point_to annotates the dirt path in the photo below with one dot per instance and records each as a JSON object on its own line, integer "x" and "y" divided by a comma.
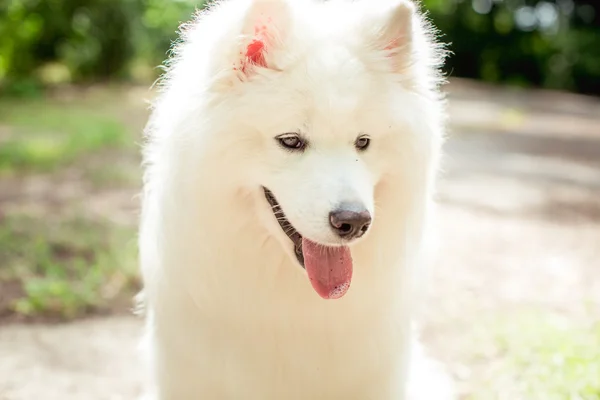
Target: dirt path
{"x": 520, "y": 227}
{"x": 85, "y": 360}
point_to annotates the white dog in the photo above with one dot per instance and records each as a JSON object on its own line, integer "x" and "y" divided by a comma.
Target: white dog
{"x": 289, "y": 174}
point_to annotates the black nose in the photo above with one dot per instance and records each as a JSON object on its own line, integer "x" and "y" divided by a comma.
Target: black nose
{"x": 350, "y": 221}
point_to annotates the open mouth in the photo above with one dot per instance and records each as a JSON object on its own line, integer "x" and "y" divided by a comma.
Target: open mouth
{"x": 286, "y": 226}
{"x": 329, "y": 268}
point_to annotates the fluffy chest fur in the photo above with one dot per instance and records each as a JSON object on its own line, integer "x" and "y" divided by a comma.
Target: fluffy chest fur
{"x": 331, "y": 108}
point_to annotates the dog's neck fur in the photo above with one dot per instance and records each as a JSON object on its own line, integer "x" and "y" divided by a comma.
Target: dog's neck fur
{"x": 215, "y": 274}
{"x": 270, "y": 316}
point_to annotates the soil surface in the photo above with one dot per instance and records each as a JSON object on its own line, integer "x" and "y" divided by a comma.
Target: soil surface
{"x": 519, "y": 227}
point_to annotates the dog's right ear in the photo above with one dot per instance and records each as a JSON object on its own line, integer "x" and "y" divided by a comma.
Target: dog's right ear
{"x": 265, "y": 26}
{"x": 394, "y": 34}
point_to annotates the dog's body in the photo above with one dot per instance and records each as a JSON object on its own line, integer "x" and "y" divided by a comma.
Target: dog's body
{"x": 324, "y": 113}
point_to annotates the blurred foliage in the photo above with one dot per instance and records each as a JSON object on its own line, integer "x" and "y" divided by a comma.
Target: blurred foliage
{"x": 56, "y": 41}
{"x": 550, "y": 43}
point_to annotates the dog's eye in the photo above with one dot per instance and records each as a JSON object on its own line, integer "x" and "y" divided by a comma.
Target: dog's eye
{"x": 362, "y": 143}
{"x": 291, "y": 142}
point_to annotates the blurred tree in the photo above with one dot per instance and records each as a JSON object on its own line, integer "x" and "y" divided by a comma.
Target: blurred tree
{"x": 550, "y": 43}
{"x": 89, "y": 36}
{"x": 84, "y": 39}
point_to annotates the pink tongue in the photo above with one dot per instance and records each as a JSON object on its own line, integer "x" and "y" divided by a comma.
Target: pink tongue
{"x": 329, "y": 268}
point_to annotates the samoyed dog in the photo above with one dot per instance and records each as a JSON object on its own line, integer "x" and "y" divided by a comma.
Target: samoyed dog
{"x": 289, "y": 170}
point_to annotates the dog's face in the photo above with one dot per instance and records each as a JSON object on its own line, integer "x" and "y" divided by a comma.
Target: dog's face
{"x": 318, "y": 162}
{"x": 322, "y": 102}
{"x": 321, "y": 156}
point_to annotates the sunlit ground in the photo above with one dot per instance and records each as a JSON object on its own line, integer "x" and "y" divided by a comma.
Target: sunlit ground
{"x": 515, "y": 294}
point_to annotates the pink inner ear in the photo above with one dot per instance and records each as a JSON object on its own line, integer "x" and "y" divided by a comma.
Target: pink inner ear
{"x": 395, "y": 43}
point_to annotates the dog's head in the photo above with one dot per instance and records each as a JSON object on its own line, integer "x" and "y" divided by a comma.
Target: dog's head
{"x": 320, "y": 103}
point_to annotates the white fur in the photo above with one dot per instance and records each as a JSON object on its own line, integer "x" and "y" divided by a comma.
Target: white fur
{"x": 230, "y": 314}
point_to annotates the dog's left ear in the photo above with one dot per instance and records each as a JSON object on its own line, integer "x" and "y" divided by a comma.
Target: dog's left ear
{"x": 265, "y": 27}
{"x": 395, "y": 34}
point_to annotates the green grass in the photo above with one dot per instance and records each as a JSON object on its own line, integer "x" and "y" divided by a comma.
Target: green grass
{"x": 65, "y": 267}
{"x": 41, "y": 135}
{"x": 542, "y": 357}
{"x": 119, "y": 173}
{"x": 62, "y": 264}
